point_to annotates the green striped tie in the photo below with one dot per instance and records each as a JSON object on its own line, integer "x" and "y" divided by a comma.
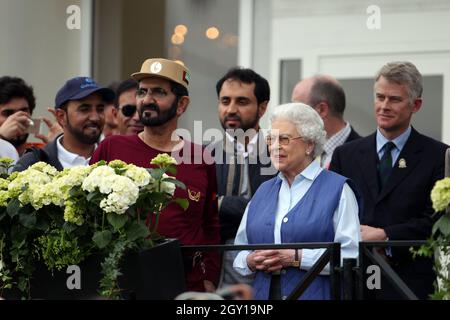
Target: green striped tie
{"x": 385, "y": 164}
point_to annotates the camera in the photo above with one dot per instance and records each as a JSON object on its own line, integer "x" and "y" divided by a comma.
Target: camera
{"x": 35, "y": 126}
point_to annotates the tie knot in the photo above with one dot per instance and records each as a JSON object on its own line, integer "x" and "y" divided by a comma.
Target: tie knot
{"x": 389, "y": 146}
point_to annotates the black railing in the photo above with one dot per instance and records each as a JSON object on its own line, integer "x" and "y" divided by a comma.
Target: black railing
{"x": 332, "y": 255}
{"x": 347, "y": 282}
{"x": 369, "y": 255}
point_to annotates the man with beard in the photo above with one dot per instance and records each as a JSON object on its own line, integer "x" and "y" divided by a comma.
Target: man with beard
{"x": 17, "y": 103}
{"x": 79, "y": 105}
{"x": 242, "y": 162}
{"x": 162, "y": 97}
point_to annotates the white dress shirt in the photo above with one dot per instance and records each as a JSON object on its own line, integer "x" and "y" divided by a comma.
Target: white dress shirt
{"x": 332, "y": 143}
{"x": 345, "y": 221}
{"x": 69, "y": 159}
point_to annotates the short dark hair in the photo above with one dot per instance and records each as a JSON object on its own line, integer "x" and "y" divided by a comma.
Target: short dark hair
{"x": 13, "y": 87}
{"x": 248, "y": 76}
{"x": 125, "y": 86}
{"x": 178, "y": 89}
{"x": 330, "y": 91}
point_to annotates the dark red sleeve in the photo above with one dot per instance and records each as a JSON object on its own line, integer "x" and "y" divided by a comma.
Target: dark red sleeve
{"x": 211, "y": 227}
{"x": 100, "y": 152}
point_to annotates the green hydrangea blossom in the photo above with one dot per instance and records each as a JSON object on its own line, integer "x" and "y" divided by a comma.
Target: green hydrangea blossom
{"x": 163, "y": 160}
{"x": 440, "y": 195}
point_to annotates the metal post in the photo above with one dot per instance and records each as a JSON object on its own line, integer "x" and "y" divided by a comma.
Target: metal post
{"x": 349, "y": 279}
{"x": 335, "y": 262}
{"x": 361, "y": 279}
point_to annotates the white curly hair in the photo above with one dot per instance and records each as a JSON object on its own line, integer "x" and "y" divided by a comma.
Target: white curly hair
{"x": 307, "y": 121}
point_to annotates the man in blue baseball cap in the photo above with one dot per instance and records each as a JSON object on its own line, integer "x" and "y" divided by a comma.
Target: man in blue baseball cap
{"x": 79, "y": 107}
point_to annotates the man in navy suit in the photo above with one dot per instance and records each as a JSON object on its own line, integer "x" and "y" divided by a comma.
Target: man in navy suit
{"x": 395, "y": 168}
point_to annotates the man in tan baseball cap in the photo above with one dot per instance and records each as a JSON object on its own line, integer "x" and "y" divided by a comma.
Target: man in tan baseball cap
{"x": 161, "y": 98}
{"x": 159, "y": 79}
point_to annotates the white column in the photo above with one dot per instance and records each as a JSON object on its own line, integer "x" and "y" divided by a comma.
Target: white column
{"x": 246, "y": 23}
{"x": 87, "y": 22}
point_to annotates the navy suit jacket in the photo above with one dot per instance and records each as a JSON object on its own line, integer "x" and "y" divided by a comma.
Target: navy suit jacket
{"x": 403, "y": 207}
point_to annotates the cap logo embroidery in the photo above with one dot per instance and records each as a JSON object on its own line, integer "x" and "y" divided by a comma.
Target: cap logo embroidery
{"x": 156, "y": 67}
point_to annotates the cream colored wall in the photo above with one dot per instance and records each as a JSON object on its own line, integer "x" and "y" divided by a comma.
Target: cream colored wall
{"x": 332, "y": 37}
{"x": 126, "y": 33}
{"x": 207, "y": 59}
{"x": 36, "y": 45}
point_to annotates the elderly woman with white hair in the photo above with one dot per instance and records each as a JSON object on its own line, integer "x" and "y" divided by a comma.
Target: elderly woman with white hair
{"x": 304, "y": 203}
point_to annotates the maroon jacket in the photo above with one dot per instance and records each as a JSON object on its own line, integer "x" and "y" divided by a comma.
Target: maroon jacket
{"x": 199, "y": 224}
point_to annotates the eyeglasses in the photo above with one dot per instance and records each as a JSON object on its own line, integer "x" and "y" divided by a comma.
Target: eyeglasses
{"x": 283, "y": 140}
{"x": 128, "y": 110}
{"x": 156, "y": 93}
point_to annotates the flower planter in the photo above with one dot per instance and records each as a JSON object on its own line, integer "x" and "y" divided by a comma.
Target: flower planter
{"x": 153, "y": 274}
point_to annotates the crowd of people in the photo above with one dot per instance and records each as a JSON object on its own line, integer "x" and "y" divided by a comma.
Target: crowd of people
{"x": 311, "y": 178}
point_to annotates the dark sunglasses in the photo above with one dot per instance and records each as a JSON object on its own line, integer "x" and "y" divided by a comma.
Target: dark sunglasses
{"x": 128, "y": 110}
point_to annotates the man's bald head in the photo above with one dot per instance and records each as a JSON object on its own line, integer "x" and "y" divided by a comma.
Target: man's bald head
{"x": 321, "y": 89}
{"x": 302, "y": 91}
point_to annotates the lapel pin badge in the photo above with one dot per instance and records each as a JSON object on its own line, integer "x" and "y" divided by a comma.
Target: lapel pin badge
{"x": 402, "y": 163}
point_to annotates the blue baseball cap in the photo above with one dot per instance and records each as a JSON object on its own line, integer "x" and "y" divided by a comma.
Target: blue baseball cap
{"x": 80, "y": 87}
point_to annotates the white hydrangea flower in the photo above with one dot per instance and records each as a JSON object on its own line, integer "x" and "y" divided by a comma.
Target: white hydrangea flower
{"x": 139, "y": 175}
{"x": 97, "y": 179}
{"x": 46, "y": 195}
{"x": 3, "y": 184}
{"x": 31, "y": 179}
{"x": 4, "y": 197}
{"x": 70, "y": 178}
{"x": 45, "y": 168}
{"x": 167, "y": 187}
{"x": 440, "y": 195}
{"x": 124, "y": 194}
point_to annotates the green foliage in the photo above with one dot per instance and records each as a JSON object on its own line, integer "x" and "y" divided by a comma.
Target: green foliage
{"x": 438, "y": 245}
{"x": 59, "y": 249}
{"x": 111, "y": 269}
{"x": 102, "y": 238}
{"x": 117, "y": 221}
{"x": 61, "y": 218}
{"x": 442, "y": 226}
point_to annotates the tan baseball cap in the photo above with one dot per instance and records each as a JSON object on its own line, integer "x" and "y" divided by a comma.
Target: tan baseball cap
{"x": 163, "y": 68}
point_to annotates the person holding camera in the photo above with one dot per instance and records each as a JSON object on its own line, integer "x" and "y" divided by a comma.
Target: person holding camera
{"x": 17, "y": 103}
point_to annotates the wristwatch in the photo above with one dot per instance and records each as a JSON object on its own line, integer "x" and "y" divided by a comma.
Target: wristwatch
{"x": 296, "y": 262}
